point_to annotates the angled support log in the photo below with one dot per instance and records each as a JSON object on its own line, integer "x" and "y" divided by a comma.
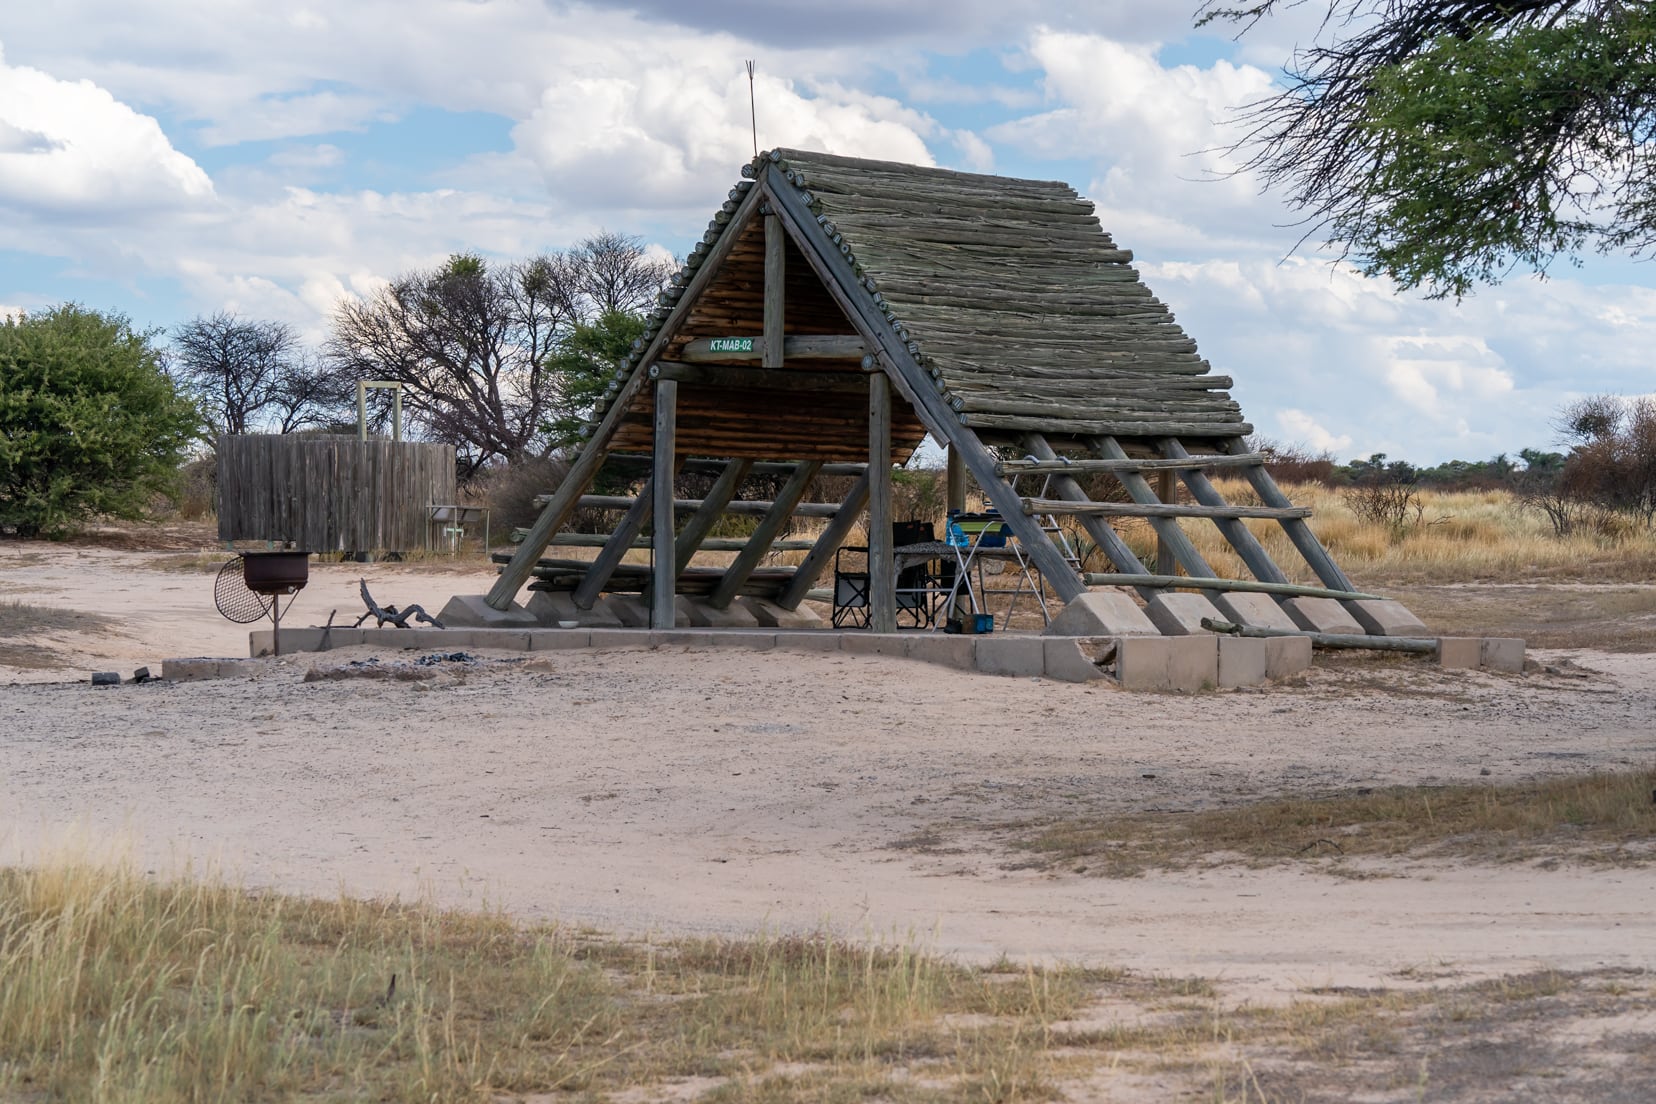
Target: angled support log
{"x": 695, "y": 530}
{"x": 758, "y": 545}
{"x": 663, "y": 552}
{"x": 1099, "y": 530}
{"x": 882, "y": 564}
{"x": 1167, "y": 529}
{"x": 917, "y": 386}
{"x": 620, "y": 542}
{"x": 1316, "y": 556}
{"x": 1235, "y": 531}
{"x": 822, "y": 554}
{"x": 591, "y": 458}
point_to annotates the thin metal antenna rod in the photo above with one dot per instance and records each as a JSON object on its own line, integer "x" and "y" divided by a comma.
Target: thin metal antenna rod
{"x": 753, "y": 112}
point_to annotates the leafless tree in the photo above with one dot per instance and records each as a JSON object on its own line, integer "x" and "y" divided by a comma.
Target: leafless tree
{"x": 612, "y": 272}
{"x": 245, "y": 373}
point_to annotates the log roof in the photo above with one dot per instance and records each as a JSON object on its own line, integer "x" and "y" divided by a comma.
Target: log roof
{"x": 1008, "y": 293}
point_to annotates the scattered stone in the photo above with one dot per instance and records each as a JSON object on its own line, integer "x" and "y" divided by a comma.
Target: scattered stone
{"x": 142, "y": 674}
{"x": 106, "y": 678}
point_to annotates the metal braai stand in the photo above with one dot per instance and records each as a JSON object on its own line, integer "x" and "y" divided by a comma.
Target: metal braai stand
{"x": 257, "y": 590}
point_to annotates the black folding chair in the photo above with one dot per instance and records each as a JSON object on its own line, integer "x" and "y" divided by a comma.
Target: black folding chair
{"x": 850, "y": 591}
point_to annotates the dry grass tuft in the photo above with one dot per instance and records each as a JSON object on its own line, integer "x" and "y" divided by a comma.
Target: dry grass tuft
{"x": 1602, "y": 817}
{"x": 116, "y": 988}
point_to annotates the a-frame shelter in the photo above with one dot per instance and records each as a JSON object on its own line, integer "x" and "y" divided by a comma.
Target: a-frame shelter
{"x": 836, "y": 311}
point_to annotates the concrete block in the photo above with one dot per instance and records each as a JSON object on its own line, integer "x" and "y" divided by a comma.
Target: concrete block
{"x": 552, "y": 606}
{"x": 751, "y": 639}
{"x": 1180, "y": 614}
{"x": 867, "y": 643}
{"x": 1079, "y": 658}
{"x": 629, "y": 609}
{"x": 557, "y": 640}
{"x": 505, "y": 640}
{"x": 943, "y": 649}
{"x": 1286, "y": 656}
{"x": 1102, "y": 613}
{"x": 1384, "y": 617}
{"x": 1014, "y": 656}
{"x": 1141, "y": 662}
{"x": 471, "y": 611}
{"x": 201, "y": 668}
{"x": 407, "y": 639}
{"x": 805, "y": 641}
{"x": 1193, "y": 662}
{"x": 1459, "y": 651}
{"x": 1243, "y": 661}
{"x": 1502, "y": 653}
{"x": 705, "y": 615}
{"x": 1260, "y": 611}
{"x": 769, "y": 615}
{"x": 1324, "y": 615}
{"x": 620, "y": 638}
{"x": 682, "y": 638}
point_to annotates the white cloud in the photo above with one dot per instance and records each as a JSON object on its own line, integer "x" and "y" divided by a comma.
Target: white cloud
{"x": 1299, "y": 428}
{"x": 70, "y": 148}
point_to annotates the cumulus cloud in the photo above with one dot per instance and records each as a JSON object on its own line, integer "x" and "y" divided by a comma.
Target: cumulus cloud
{"x": 1300, "y": 428}
{"x": 70, "y": 148}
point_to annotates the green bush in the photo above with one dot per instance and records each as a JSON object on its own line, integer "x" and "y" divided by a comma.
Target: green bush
{"x": 90, "y": 424}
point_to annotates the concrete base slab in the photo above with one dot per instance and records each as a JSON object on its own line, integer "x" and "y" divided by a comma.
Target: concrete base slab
{"x": 634, "y": 613}
{"x": 1180, "y": 614}
{"x": 1324, "y": 615}
{"x": 1502, "y": 653}
{"x": 619, "y": 638}
{"x": 471, "y": 611}
{"x": 1102, "y": 613}
{"x": 867, "y": 643}
{"x": 945, "y": 650}
{"x": 1079, "y": 658}
{"x": 1259, "y": 611}
{"x": 1013, "y": 656}
{"x": 201, "y": 668}
{"x": 705, "y": 615}
{"x": 1384, "y": 617}
{"x": 1286, "y": 656}
{"x": 1184, "y": 663}
{"x": 552, "y": 606}
{"x": 1243, "y": 661}
{"x": 808, "y": 641}
{"x": 557, "y": 640}
{"x": 682, "y": 638}
{"x": 772, "y": 616}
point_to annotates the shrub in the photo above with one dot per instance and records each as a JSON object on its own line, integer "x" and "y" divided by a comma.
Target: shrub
{"x": 90, "y": 424}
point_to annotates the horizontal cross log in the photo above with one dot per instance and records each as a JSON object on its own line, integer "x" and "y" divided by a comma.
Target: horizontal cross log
{"x": 803, "y": 347}
{"x": 641, "y": 461}
{"x": 711, "y": 544}
{"x": 1251, "y": 586}
{"x": 1085, "y": 467}
{"x": 1123, "y": 427}
{"x": 760, "y": 379}
{"x": 1418, "y": 645}
{"x": 1161, "y": 510}
{"x": 686, "y": 505}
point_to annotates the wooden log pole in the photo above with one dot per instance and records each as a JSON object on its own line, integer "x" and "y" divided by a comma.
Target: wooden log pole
{"x": 1165, "y": 562}
{"x": 1187, "y": 582}
{"x": 822, "y": 554}
{"x": 882, "y": 570}
{"x": 701, "y": 522}
{"x": 798, "y": 347}
{"x": 776, "y": 257}
{"x": 1238, "y": 534}
{"x": 1418, "y": 645}
{"x": 1167, "y": 528}
{"x": 1099, "y": 530}
{"x": 759, "y": 544}
{"x": 1315, "y": 555}
{"x": 663, "y": 550}
{"x": 619, "y": 544}
{"x": 1089, "y": 467}
{"x": 1161, "y": 510}
{"x": 956, "y": 496}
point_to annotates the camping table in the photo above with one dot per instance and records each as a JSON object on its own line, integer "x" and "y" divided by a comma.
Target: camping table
{"x": 968, "y": 575}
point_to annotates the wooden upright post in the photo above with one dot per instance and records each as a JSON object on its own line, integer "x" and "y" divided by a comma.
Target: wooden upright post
{"x": 776, "y": 256}
{"x": 1165, "y": 561}
{"x": 957, "y": 480}
{"x": 882, "y": 571}
{"x": 662, "y": 549}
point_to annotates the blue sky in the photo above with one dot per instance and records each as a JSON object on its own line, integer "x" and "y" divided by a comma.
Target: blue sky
{"x": 175, "y": 157}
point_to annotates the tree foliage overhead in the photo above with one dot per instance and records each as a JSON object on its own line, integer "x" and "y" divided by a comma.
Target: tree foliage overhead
{"x": 1447, "y": 143}
{"x": 498, "y": 359}
{"x": 90, "y": 424}
{"x": 249, "y": 375}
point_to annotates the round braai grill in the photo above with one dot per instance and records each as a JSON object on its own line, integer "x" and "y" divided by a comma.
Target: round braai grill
{"x": 253, "y": 585}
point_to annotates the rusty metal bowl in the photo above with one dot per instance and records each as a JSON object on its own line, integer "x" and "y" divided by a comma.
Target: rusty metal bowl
{"x": 275, "y": 572}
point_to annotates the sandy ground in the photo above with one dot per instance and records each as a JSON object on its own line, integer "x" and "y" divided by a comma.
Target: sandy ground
{"x": 718, "y": 791}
